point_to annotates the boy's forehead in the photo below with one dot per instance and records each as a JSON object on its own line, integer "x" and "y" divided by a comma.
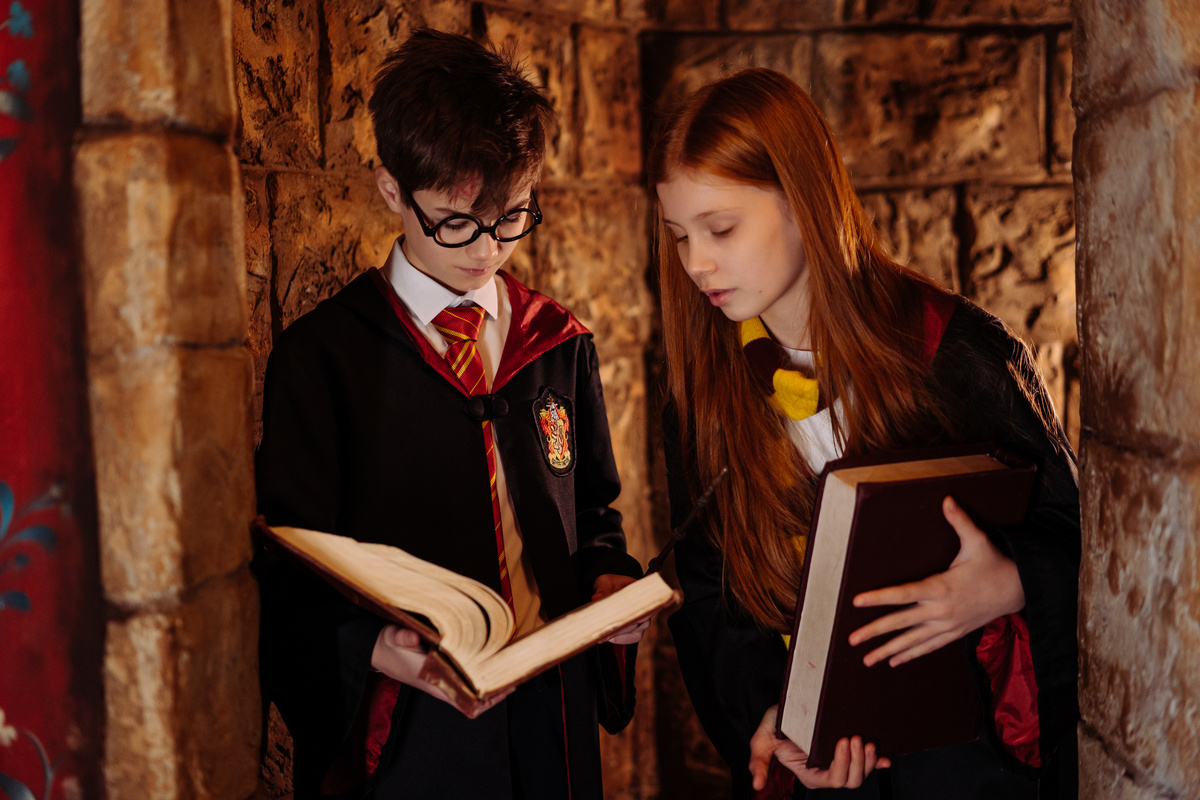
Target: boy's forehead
{"x": 462, "y": 195}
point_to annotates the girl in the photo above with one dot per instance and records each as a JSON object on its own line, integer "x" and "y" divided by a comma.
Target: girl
{"x": 793, "y": 339}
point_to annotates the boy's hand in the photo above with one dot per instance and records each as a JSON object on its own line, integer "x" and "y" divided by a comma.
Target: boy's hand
{"x": 852, "y": 761}
{"x": 631, "y": 633}
{"x": 399, "y": 655}
{"x": 980, "y": 585}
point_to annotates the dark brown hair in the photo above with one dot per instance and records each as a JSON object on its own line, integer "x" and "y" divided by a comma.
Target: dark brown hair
{"x": 448, "y": 109}
{"x": 865, "y": 321}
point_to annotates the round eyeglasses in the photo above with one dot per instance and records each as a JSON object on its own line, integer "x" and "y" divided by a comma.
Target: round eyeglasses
{"x": 459, "y": 230}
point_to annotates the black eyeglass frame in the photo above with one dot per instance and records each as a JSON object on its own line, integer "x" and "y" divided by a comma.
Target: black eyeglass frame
{"x": 480, "y": 228}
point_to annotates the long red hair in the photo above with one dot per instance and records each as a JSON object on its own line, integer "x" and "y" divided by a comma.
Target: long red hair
{"x": 865, "y": 322}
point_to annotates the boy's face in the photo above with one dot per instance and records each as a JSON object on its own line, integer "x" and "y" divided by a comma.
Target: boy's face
{"x": 460, "y": 269}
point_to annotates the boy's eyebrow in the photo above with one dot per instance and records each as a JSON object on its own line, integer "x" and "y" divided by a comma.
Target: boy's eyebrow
{"x": 449, "y": 211}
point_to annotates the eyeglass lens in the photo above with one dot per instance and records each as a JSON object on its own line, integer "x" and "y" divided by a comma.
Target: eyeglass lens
{"x": 460, "y": 229}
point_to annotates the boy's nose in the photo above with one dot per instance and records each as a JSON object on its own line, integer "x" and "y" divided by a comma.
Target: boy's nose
{"x": 483, "y": 248}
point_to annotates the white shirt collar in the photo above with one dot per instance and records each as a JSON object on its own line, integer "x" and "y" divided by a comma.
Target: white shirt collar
{"x": 425, "y": 297}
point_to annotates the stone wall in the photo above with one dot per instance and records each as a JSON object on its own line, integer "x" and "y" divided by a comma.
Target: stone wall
{"x": 314, "y": 218}
{"x": 1137, "y": 167}
{"x": 955, "y": 121}
{"x": 170, "y": 382}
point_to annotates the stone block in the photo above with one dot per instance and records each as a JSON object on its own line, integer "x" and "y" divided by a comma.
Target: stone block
{"x": 1129, "y": 50}
{"x": 609, "y": 92}
{"x": 219, "y": 708}
{"x": 773, "y": 15}
{"x": 1022, "y": 259}
{"x": 918, "y": 227}
{"x": 676, "y": 15}
{"x": 624, "y": 382}
{"x": 326, "y": 229}
{"x": 181, "y": 691}
{"x": 550, "y": 62}
{"x": 276, "y": 53}
{"x": 924, "y": 106}
{"x": 1101, "y": 777}
{"x": 162, "y": 62}
{"x": 961, "y": 11}
{"x": 174, "y": 473}
{"x": 1062, "y": 114}
{"x": 259, "y": 270}
{"x": 583, "y": 10}
{"x": 162, "y": 226}
{"x": 676, "y": 65}
{"x": 592, "y": 255}
{"x": 1139, "y": 612}
{"x": 1139, "y": 271}
{"x": 360, "y": 37}
{"x": 141, "y": 737}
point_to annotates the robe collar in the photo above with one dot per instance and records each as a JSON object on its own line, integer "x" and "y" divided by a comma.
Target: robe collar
{"x": 538, "y": 325}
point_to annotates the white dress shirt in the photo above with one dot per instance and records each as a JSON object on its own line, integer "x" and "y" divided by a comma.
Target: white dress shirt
{"x": 424, "y": 298}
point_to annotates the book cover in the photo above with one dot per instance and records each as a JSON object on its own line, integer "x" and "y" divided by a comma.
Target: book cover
{"x": 879, "y": 523}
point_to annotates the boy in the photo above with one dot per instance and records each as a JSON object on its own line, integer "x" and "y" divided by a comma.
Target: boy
{"x": 389, "y": 418}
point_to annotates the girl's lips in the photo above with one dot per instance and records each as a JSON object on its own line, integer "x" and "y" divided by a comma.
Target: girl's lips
{"x": 719, "y": 297}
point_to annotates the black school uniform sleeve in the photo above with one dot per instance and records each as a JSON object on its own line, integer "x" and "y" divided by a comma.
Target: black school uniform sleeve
{"x": 732, "y": 668}
{"x": 313, "y": 640}
{"x": 1001, "y": 398}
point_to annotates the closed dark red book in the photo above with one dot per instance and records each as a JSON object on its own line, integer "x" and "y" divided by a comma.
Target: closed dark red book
{"x": 879, "y": 523}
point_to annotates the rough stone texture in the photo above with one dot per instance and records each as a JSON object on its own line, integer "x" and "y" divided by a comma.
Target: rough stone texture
{"x": 140, "y": 726}
{"x": 360, "y": 36}
{"x": 918, "y": 226}
{"x": 1062, "y": 115}
{"x": 325, "y": 230}
{"x": 624, "y": 383}
{"x": 218, "y": 700}
{"x": 162, "y": 62}
{"x": 1105, "y": 778}
{"x": 961, "y": 11}
{"x": 934, "y": 105}
{"x": 182, "y": 697}
{"x": 592, "y": 254}
{"x": 674, "y": 66}
{"x": 1128, "y": 50}
{"x": 772, "y": 15}
{"x": 674, "y": 14}
{"x": 162, "y": 241}
{"x": 1139, "y": 272}
{"x": 550, "y": 62}
{"x": 174, "y": 473}
{"x": 275, "y": 73}
{"x": 608, "y": 105}
{"x": 260, "y": 266}
{"x": 602, "y": 11}
{"x": 1139, "y": 639}
{"x": 1022, "y": 265}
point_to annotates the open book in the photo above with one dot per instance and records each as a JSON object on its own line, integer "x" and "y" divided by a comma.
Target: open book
{"x": 879, "y": 523}
{"x": 466, "y": 624}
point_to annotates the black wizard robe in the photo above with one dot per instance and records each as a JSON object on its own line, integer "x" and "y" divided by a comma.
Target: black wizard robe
{"x": 363, "y": 423}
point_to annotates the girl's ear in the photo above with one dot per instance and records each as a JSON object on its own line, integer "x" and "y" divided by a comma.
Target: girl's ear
{"x": 390, "y": 189}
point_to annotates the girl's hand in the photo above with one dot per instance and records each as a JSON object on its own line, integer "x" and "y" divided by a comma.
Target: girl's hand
{"x": 399, "y": 655}
{"x": 852, "y": 761}
{"x": 607, "y": 584}
{"x": 981, "y": 585}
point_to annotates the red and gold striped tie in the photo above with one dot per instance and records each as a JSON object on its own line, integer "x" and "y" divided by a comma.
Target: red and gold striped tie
{"x": 459, "y": 326}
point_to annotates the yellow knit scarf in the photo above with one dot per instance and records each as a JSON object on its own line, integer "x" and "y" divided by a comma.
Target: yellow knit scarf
{"x": 792, "y": 392}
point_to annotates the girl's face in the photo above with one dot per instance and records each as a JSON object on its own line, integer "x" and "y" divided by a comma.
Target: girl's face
{"x": 740, "y": 245}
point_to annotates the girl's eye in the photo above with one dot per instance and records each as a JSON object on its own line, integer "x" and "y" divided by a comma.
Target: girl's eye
{"x": 722, "y": 233}
{"x": 680, "y": 239}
